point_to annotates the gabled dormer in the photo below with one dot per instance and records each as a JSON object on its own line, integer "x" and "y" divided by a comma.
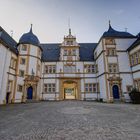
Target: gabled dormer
{"x": 69, "y": 49}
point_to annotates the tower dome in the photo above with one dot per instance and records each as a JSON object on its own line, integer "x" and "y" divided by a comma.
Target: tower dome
{"x": 29, "y": 38}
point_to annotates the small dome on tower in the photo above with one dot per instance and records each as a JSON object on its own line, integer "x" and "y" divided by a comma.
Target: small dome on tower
{"x": 29, "y": 38}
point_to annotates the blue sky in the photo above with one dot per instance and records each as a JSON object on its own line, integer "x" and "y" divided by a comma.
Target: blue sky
{"x": 89, "y": 18}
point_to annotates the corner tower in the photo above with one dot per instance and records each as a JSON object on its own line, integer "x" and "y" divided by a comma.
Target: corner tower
{"x": 29, "y": 68}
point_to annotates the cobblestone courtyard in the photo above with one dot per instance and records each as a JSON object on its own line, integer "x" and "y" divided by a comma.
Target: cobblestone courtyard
{"x": 70, "y": 120}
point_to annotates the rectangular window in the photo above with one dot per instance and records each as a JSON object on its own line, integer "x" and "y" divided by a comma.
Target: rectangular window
{"x": 22, "y": 61}
{"x": 65, "y": 52}
{"x": 129, "y": 88}
{"x": 91, "y": 87}
{"x": 112, "y": 68}
{"x": 49, "y": 88}
{"x": 111, "y": 51}
{"x": 21, "y": 73}
{"x": 109, "y": 41}
{"x": 24, "y": 48}
{"x": 19, "y": 88}
{"x": 13, "y": 63}
{"x": 50, "y": 69}
{"x": 90, "y": 68}
{"x": 9, "y": 86}
{"x": 74, "y": 52}
{"x": 136, "y": 58}
{"x": 69, "y": 69}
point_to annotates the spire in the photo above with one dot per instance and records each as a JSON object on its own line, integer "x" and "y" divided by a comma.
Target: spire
{"x": 69, "y": 31}
{"x": 69, "y": 26}
{"x": 31, "y": 28}
{"x": 109, "y": 23}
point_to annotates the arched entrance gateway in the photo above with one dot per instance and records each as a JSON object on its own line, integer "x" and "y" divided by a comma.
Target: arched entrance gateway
{"x": 115, "y": 90}
{"x": 70, "y": 89}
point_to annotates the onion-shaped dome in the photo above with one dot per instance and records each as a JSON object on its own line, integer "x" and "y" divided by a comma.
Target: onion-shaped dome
{"x": 113, "y": 33}
{"x": 29, "y": 38}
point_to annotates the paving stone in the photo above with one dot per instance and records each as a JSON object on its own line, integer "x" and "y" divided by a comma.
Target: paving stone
{"x": 70, "y": 120}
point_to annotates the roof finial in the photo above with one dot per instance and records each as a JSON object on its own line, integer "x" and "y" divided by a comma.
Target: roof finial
{"x": 31, "y": 28}
{"x": 69, "y": 26}
{"x": 109, "y": 23}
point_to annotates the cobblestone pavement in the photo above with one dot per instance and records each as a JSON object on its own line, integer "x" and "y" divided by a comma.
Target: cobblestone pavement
{"x": 70, "y": 120}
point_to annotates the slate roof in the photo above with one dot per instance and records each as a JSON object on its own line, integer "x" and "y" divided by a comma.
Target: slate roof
{"x": 51, "y": 52}
{"x": 29, "y": 38}
{"x": 136, "y": 43}
{"x": 113, "y": 33}
{"x": 8, "y": 40}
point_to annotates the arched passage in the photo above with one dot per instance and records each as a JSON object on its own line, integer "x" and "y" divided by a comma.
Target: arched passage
{"x": 70, "y": 90}
{"x": 115, "y": 90}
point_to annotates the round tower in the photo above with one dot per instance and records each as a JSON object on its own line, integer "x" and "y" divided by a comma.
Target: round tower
{"x": 29, "y": 66}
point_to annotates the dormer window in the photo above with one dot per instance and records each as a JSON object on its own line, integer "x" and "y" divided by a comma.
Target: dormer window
{"x": 69, "y": 42}
{"x": 109, "y": 41}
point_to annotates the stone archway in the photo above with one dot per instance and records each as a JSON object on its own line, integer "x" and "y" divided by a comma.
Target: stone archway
{"x": 70, "y": 89}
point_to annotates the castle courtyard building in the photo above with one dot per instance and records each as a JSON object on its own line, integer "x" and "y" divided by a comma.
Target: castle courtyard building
{"x": 107, "y": 70}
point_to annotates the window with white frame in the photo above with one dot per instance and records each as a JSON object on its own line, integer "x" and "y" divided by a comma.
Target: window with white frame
{"x": 69, "y": 69}
{"x": 90, "y": 68}
{"x": 111, "y": 51}
{"x": 24, "y": 48}
{"x": 19, "y": 88}
{"x": 13, "y": 63}
{"x": 49, "y": 88}
{"x": 22, "y": 61}
{"x": 91, "y": 87}
{"x": 50, "y": 69}
{"x": 113, "y": 68}
{"x": 21, "y": 73}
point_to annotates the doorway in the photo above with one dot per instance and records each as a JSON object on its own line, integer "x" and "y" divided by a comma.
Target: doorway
{"x": 70, "y": 90}
{"x": 30, "y": 93}
{"x": 115, "y": 90}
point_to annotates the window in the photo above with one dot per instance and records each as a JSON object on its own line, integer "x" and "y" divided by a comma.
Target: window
{"x": 111, "y": 52}
{"x": 50, "y": 69}
{"x": 13, "y": 63}
{"x": 109, "y": 41}
{"x": 22, "y": 61}
{"x": 69, "y": 69}
{"x": 49, "y": 88}
{"x": 9, "y": 86}
{"x": 90, "y": 68}
{"x": 65, "y": 52}
{"x": 19, "y": 88}
{"x": 69, "y": 42}
{"x": 91, "y": 87}
{"x": 129, "y": 88}
{"x": 74, "y": 52}
{"x": 135, "y": 58}
{"x": 112, "y": 68}
{"x": 21, "y": 73}
{"x": 132, "y": 60}
{"x": 70, "y": 52}
{"x": 24, "y": 48}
